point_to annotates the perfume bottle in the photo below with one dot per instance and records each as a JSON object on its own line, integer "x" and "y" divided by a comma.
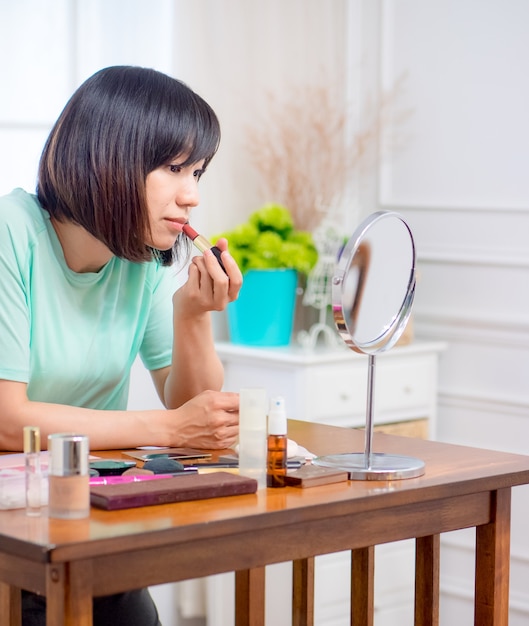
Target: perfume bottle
{"x": 68, "y": 476}
{"x": 277, "y": 444}
{"x": 33, "y": 472}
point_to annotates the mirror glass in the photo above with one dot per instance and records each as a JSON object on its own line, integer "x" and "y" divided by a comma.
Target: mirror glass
{"x": 372, "y": 295}
{"x": 374, "y": 284}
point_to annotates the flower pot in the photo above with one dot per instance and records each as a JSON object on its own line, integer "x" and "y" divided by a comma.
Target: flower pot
{"x": 263, "y": 314}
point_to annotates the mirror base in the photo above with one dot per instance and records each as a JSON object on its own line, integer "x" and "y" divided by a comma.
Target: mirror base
{"x": 381, "y": 467}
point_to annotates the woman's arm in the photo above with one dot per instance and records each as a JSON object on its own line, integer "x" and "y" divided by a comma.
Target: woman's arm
{"x": 196, "y": 366}
{"x": 209, "y": 420}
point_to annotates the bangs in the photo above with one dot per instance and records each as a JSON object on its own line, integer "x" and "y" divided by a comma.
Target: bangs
{"x": 189, "y": 130}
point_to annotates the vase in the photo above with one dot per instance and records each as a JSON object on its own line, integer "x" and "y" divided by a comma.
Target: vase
{"x": 263, "y": 314}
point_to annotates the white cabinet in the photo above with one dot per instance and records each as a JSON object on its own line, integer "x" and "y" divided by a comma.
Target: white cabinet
{"x": 330, "y": 386}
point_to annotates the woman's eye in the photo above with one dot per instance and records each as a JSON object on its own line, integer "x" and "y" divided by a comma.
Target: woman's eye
{"x": 198, "y": 173}
{"x": 175, "y": 169}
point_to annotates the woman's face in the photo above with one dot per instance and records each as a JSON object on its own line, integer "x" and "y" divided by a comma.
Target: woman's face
{"x": 172, "y": 191}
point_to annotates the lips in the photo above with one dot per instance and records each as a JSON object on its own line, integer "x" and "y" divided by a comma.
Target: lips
{"x": 177, "y": 224}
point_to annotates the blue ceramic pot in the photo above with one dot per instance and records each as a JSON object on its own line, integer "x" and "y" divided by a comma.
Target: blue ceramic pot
{"x": 263, "y": 315}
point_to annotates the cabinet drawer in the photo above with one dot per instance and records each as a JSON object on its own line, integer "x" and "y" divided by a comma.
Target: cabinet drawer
{"x": 404, "y": 384}
{"x": 400, "y": 386}
{"x": 336, "y": 391}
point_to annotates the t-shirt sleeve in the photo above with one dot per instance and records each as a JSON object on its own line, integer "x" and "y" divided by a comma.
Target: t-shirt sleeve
{"x": 14, "y": 310}
{"x": 157, "y": 345}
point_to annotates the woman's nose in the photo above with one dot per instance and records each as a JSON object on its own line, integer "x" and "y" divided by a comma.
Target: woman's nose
{"x": 188, "y": 193}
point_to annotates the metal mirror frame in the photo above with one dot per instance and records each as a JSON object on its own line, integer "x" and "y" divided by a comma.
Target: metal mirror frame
{"x": 368, "y": 465}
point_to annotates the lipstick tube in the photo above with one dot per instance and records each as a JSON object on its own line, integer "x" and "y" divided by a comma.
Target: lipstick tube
{"x": 136, "y": 478}
{"x": 202, "y": 244}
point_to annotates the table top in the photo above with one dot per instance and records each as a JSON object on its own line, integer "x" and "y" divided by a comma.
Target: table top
{"x": 451, "y": 471}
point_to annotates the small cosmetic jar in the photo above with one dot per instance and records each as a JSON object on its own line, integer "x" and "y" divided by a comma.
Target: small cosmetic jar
{"x": 68, "y": 476}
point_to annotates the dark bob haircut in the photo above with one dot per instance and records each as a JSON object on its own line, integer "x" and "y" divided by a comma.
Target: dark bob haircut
{"x": 120, "y": 125}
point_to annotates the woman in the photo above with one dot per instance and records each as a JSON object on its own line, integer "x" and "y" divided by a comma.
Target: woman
{"x": 86, "y": 285}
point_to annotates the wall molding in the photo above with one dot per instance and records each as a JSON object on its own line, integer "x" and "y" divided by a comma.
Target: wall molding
{"x": 454, "y": 208}
{"x": 463, "y": 588}
{"x": 499, "y": 252}
{"x": 499, "y": 258}
{"x": 451, "y": 542}
{"x": 496, "y": 404}
{"x": 460, "y": 588}
{"x": 471, "y": 328}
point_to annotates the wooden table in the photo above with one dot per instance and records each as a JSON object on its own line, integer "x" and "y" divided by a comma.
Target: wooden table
{"x": 71, "y": 561}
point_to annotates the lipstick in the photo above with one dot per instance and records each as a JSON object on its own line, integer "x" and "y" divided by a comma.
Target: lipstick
{"x": 202, "y": 243}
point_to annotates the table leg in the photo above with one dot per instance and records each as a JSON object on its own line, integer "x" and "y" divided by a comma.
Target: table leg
{"x": 10, "y": 605}
{"x": 250, "y": 597}
{"x": 303, "y": 592}
{"x": 492, "y": 563}
{"x": 362, "y": 586}
{"x": 427, "y": 550}
{"x": 68, "y": 594}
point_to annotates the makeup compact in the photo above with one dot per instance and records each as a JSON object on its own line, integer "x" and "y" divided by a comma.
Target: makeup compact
{"x": 108, "y": 467}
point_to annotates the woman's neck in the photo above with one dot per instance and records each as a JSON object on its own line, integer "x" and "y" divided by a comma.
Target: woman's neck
{"x": 83, "y": 253}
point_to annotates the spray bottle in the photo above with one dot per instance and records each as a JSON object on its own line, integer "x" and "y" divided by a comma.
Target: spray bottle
{"x": 276, "y": 467}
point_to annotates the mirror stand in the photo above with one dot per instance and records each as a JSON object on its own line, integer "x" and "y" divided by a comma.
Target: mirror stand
{"x": 373, "y": 289}
{"x": 370, "y": 465}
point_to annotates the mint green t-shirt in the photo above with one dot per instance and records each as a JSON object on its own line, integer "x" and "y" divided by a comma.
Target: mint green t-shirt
{"x": 74, "y": 337}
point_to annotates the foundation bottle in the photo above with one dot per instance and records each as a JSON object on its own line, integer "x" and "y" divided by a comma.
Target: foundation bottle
{"x": 277, "y": 444}
{"x": 68, "y": 476}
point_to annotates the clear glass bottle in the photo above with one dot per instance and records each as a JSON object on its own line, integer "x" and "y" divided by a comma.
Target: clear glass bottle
{"x": 252, "y": 434}
{"x": 33, "y": 471}
{"x": 277, "y": 444}
{"x": 68, "y": 476}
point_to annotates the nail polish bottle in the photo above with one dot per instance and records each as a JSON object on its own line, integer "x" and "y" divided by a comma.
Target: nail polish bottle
{"x": 277, "y": 444}
{"x": 68, "y": 476}
{"x": 32, "y": 470}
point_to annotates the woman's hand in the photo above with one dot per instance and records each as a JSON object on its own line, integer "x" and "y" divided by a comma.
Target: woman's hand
{"x": 209, "y": 421}
{"x": 208, "y": 287}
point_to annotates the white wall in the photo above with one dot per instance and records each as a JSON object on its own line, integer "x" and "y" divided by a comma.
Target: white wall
{"x": 463, "y": 184}
{"x": 49, "y": 47}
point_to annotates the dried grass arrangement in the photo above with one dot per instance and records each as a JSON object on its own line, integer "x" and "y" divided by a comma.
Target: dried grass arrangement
{"x": 306, "y": 155}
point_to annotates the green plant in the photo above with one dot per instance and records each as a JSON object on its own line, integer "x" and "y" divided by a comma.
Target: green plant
{"x": 268, "y": 240}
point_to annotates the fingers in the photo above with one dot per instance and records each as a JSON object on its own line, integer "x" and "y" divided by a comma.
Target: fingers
{"x": 209, "y": 421}
{"x": 227, "y": 401}
{"x": 222, "y": 244}
{"x": 215, "y": 286}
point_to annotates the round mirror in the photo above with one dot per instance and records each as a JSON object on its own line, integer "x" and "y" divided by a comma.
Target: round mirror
{"x": 374, "y": 284}
{"x": 372, "y": 294}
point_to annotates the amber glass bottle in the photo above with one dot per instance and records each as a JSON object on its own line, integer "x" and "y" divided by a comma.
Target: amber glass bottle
{"x": 277, "y": 444}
